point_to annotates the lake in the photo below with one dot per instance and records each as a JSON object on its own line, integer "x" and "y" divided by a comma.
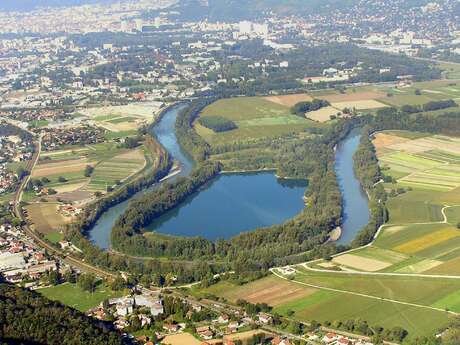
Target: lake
{"x": 234, "y": 203}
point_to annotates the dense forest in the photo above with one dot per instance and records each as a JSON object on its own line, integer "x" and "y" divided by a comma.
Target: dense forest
{"x": 368, "y": 172}
{"x": 301, "y": 108}
{"x": 217, "y": 123}
{"x": 28, "y": 318}
{"x": 7, "y": 129}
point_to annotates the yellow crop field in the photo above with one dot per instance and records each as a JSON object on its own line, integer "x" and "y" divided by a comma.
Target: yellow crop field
{"x": 427, "y": 241}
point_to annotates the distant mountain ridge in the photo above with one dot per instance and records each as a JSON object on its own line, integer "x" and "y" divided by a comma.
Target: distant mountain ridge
{"x": 30, "y": 5}
{"x": 233, "y": 10}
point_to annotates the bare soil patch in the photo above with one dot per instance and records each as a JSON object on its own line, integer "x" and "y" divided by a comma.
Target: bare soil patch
{"x": 244, "y": 336}
{"x": 447, "y": 144}
{"x": 276, "y": 294}
{"x": 77, "y": 196}
{"x": 289, "y": 100}
{"x": 46, "y": 218}
{"x": 181, "y": 339}
{"x": 361, "y": 263}
{"x": 355, "y": 96}
{"x": 62, "y": 167}
{"x": 384, "y": 140}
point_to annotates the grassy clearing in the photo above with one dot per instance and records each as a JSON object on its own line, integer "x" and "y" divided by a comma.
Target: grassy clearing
{"x": 54, "y": 237}
{"x": 270, "y": 290}
{"x": 255, "y": 117}
{"x": 331, "y": 306}
{"x": 414, "y": 207}
{"x": 72, "y": 296}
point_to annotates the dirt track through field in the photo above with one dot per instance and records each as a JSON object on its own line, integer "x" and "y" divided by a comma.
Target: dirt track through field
{"x": 354, "y": 96}
{"x": 278, "y": 294}
{"x": 289, "y": 100}
{"x": 62, "y": 167}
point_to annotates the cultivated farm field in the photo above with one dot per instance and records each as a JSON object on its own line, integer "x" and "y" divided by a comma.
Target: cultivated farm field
{"x": 255, "y": 117}
{"x": 421, "y": 235}
{"x": 65, "y": 172}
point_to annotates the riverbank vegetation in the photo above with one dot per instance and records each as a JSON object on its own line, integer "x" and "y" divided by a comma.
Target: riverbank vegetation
{"x": 311, "y": 159}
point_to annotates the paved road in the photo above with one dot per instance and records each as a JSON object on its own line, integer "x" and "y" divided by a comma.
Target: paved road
{"x": 36, "y": 238}
{"x": 383, "y": 299}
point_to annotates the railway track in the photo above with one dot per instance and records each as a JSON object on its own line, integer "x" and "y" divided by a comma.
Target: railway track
{"x": 17, "y": 210}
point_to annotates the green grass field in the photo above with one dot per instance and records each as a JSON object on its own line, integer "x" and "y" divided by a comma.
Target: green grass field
{"x": 414, "y": 207}
{"x": 332, "y": 306}
{"x": 451, "y": 70}
{"x": 54, "y": 237}
{"x": 110, "y": 165}
{"x": 430, "y": 91}
{"x": 323, "y": 305}
{"x": 255, "y": 118}
{"x": 72, "y": 296}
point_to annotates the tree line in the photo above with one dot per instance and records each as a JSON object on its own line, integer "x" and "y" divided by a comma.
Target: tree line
{"x": 28, "y": 318}
{"x": 301, "y": 108}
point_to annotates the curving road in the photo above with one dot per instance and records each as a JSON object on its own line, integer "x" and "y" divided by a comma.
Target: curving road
{"x": 319, "y": 287}
{"x": 383, "y": 274}
{"x": 35, "y": 237}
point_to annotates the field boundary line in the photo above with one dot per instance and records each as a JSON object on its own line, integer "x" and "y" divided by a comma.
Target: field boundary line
{"x": 390, "y": 274}
{"x": 319, "y": 287}
{"x": 370, "y": 244}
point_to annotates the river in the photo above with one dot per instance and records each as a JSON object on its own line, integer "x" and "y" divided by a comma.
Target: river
{"x": 355, "y": 212}
{"x": 233, "y": 203}
{"x": 165, "y": 133}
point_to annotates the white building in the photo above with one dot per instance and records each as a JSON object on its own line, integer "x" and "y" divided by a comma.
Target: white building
{"x": 9, "y": 261}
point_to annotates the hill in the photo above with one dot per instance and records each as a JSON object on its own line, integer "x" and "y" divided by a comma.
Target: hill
{"x": 234, "y": 10}
{"x": 30, "y": 5}
{"x": 28, "y": 318}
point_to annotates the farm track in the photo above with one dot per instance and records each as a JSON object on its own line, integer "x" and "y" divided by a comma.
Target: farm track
{"x": 383, "y": 274}
{"x": 36, "y": 238}
{"x": 383, "y": 299}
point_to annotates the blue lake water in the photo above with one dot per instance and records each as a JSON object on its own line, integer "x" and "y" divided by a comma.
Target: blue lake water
{"x": 234, "y": 203}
